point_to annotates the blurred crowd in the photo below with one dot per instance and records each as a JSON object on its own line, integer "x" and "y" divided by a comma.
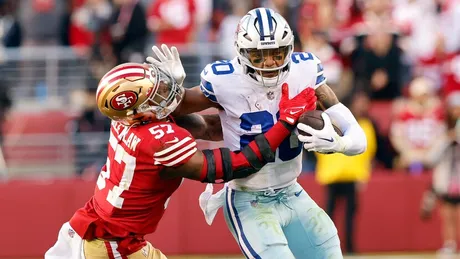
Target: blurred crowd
{"x": 403, "y": 55}
{"x": 394, "y": 63}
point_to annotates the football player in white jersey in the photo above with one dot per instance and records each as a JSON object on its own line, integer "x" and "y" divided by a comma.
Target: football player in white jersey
{"x": 269, "y": 213}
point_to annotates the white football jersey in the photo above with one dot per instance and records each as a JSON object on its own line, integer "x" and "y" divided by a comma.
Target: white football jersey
{"x": 250, "y": 109}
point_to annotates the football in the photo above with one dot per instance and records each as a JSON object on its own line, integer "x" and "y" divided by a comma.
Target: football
{"x": 314, "y": 120}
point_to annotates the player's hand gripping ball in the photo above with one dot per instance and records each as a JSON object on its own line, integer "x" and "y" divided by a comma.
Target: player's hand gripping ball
{"x": 315, "y": 120}
{"x": 323, "y": 135}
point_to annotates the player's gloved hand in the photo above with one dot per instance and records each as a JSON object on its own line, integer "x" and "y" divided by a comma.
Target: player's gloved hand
{"x": 291, "y": 109}
{"x": 325, "y": 140}
{"x": 169, "y": 60}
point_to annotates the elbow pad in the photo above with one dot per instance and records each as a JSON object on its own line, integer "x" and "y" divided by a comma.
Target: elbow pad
{"x": 223, "y": 164}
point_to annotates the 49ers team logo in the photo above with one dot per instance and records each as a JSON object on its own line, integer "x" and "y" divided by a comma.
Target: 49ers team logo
{"x": 123, "y": 100}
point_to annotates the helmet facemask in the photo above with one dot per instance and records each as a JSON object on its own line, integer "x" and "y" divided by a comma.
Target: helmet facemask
{"x": 267, "y": 66}
{"x": 165, "y": 96}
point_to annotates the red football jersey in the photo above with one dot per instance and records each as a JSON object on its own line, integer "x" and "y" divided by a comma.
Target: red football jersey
{"x": 419, "y": 128}
{"x": 130, "y": 198}
{"x": 442, "y": 69}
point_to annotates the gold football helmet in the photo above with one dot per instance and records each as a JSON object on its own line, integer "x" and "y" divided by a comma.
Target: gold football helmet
{"x": 133, "y": 93}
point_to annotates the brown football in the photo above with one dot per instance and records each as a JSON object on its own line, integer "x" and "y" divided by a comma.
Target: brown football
{"x": 314, "y": 120}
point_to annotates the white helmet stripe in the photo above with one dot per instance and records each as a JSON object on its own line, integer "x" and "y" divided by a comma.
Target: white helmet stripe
{"x": 270, "y": 24}
{"x": 107, "y": 79}
{"x": 263, "y": 15}
{"x": 124, "y": 72}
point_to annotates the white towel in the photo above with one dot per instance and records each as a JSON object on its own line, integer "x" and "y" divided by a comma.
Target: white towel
{"x": 68, "y": 246}
{"x": 210, "y": 203}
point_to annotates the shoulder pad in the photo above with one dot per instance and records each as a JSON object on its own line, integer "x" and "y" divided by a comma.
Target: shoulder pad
{"x": 212, "y": 75}
{"x": 174, "y": 145}
{"x": 311, "y": 63}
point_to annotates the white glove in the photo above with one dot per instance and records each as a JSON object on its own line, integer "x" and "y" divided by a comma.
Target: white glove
{"x": 325, "y": 140}
{"x": 168, "y": 60}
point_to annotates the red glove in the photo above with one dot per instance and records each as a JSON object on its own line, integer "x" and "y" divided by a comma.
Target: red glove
{"x": 291, "y": 109}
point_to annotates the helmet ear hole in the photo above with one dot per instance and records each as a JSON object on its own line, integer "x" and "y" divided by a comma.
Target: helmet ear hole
{"x": 246, "y": 36}
{"x": 284, "y": 34}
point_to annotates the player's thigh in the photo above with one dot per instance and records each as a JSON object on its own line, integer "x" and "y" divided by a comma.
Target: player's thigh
{"x": 97, "y": 249}
{"x": 255, "y": 226}
{"x": 311, "y": 232}
{"x": 102, "y": 249}
{"x": 147, "y": 252}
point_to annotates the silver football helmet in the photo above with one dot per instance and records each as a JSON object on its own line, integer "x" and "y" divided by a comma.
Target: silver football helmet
{"x": 264, "y": 43}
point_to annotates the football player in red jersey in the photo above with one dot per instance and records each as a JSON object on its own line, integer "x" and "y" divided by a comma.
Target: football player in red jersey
{"x": 148, "y": 157}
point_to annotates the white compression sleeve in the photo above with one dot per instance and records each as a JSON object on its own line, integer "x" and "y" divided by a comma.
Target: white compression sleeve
{"x": 354, "y": 139}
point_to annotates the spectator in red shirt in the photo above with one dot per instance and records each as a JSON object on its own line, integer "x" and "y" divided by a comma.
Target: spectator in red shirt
{"x": 442, "y": 67}
{"x": 417, "y": 119}
{"x": 88, "y": 24}
{"x": 172, "y": 21}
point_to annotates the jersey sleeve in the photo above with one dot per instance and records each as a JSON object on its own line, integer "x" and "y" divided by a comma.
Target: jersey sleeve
{"x": 206, "y": 85}
{"x": 308, "y": 68}
{"x": 318, "y": 78}
{"x": 174, "y": 149}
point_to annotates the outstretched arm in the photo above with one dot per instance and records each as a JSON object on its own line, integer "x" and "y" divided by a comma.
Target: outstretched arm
{"x": 194, "y": 101}
{"x": 205, "y": 127}
{"x": 224, "y": 165}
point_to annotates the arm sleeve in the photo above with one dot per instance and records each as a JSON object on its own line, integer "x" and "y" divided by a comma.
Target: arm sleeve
{"x": 354, "y": 139}
{"x": 223, "y": 164}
